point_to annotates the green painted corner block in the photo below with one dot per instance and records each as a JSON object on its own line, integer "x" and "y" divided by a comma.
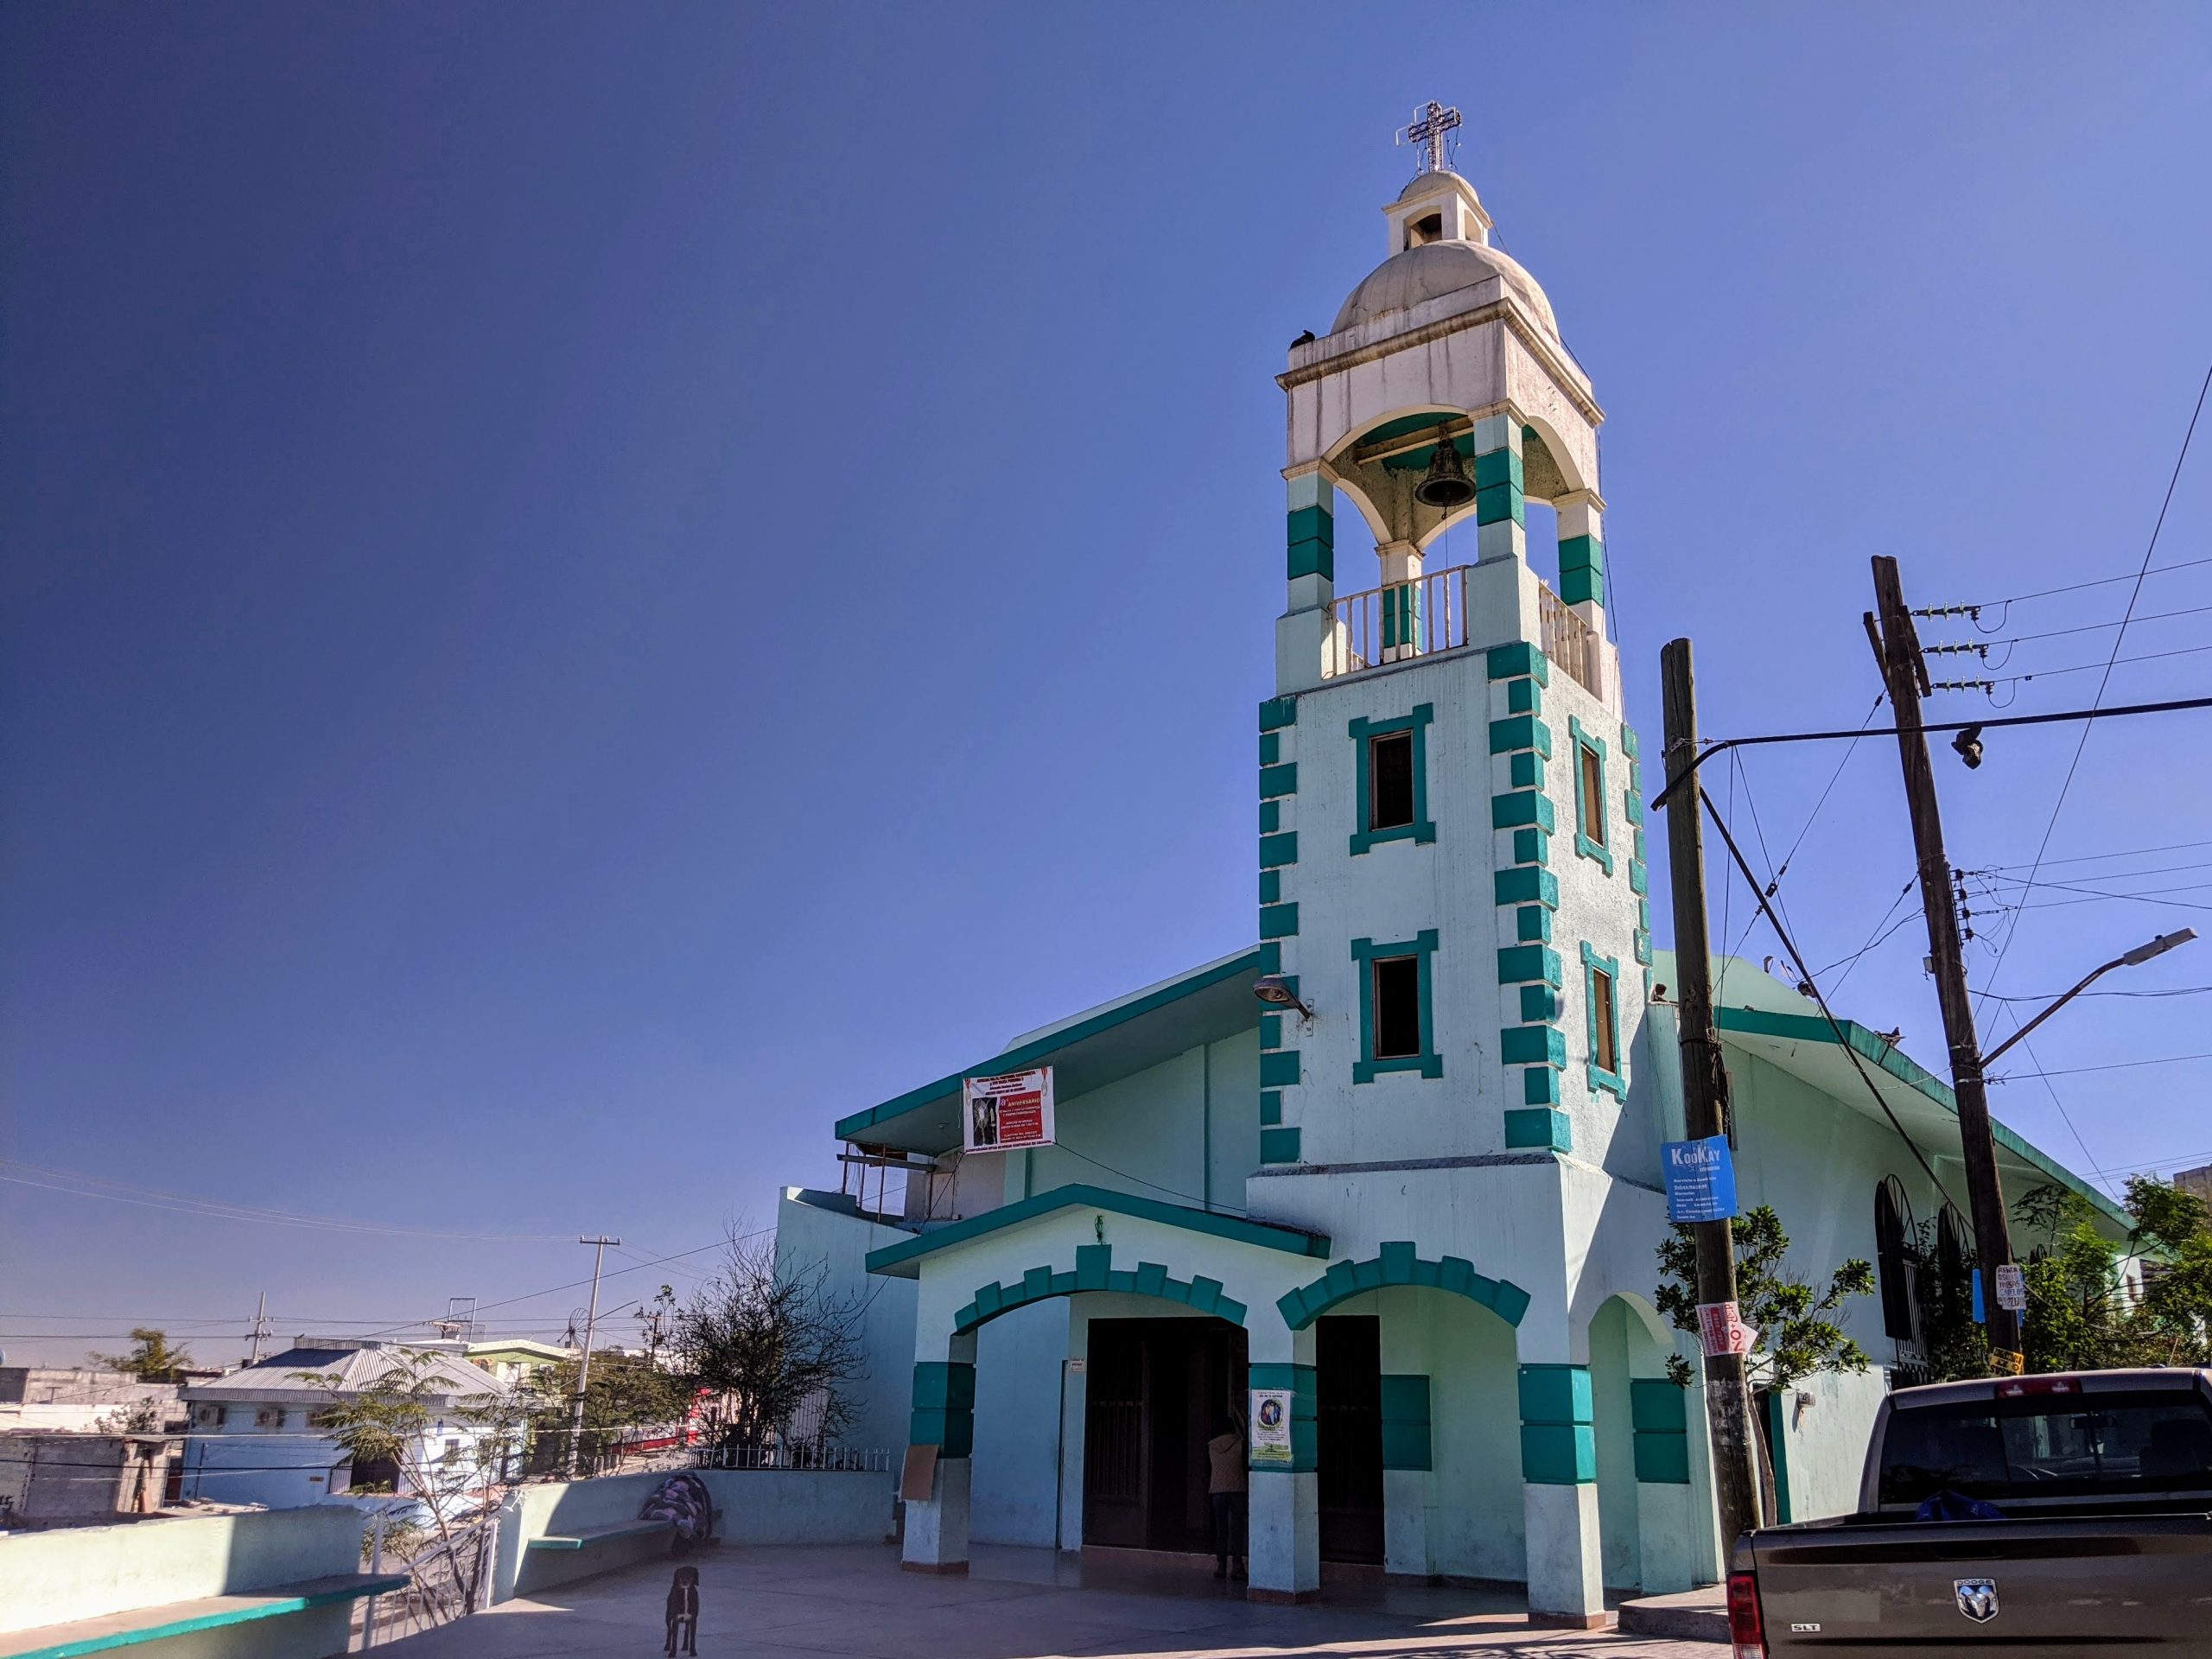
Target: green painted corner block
{"x": 1271, "y": 1107}
{"x": 1520, "y": 732}
{"x": 1279, "y": 1145}
{"x": 1270, "y": 1031}
{"x": 1639, "y": 877}
{"x": 1278, "y": 712}
{"x": 1532, "y": 925}
{"x": 1271, "y": 958}
{"x": 1523, "y": 806}
{"x": 1516, "y": 660}
{"x": 1508, "y": 1301}
{"x": 1540, "y": 1087}
{"x": 1271, "y": 748}
{"x": 1559, "y": 1454}
{"x": 1526, "y": 884}
{"x": 1555, "y": 1394}
{"x": 1532, "y": 1045}
{"x": 1278, "y": 921}
{"x": 1663, "y": 1459}
{"x": 1539, "y": 1126}
{"x": 1540, "y": 1005}
{"x": 1585, "y": 585}
{"x": 1270, "y": 886}
{"x": 1580, "y": 553}
{"x": 1270, "y": 817}
{"x": 1279, "y": 781}
{"x": 1496, "y": 467}
{"x": 1518, "y": 963}
{"x": 1524, "y": 697}
{"x": 1629, "y": 746}
{"x": 1531, "y": 845}
{"x": 1500, "y": 504}
{"x": 1526, "y": 769}
{"x": 1279, "y": 848}
{"x": 1279, "y": 1069}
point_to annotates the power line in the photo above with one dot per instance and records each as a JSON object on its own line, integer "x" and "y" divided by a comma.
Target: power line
{"x": 2109, "y": 1065}
{"x": 2185, "y": 990}
{"x": 2046, "y": 593}
{"x": 2134, "y": 593}
{"x": 2089, "y": 858}
{"x": 1986, "y": 646}
{"x": 531, "y": 1295}
{"x": 2053, "y": 673}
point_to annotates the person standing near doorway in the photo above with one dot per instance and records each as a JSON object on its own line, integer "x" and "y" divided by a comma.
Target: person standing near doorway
{"x": 1227, "y": 1483}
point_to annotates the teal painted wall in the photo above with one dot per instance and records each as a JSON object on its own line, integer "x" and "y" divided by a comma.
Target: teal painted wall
{"x": 1018, "y": 1359}
{"x": 1616, "y": 1437}
{"x": 1476, "y": 1525}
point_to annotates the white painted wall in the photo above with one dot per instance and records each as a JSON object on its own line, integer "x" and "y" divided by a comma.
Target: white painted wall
{"x": 1019, "y": 1359}
{"x": 814, "y": 1228}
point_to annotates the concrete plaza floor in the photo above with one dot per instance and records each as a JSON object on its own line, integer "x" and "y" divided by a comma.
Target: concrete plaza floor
{"x": 807, "y": 1602}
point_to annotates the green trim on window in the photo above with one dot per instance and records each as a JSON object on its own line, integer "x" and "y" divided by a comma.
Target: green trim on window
{"x": 1396, "y": 1264}
{"x": 1279, "y": 1069}
{"x": 1539, "y": 1126}
{"x": 1278, "y": 712}
{"x": 1428, "y": 1062}
{"x": 1558, "y": 1442}
{"x": 1523, "y": 806}
{"x": 1513, "y": 661}
{"x": 1279, "y": 781}
{"x": 1404, "y": 1421}
{"x": 1271, "y": 1107}
{"x": 1270, "y": 886}
{"x": 1532, "y": 1045}
{"x": 1520, "y": 732}
{"x": 1614, "y": 1083}
{"x": 1596, "y": 851}
{"x": 1531, "y": 847}
{"x": 1304, "y": 1386}
{"x": 1519, "y": 962}
{"x": 1526, "y": 884}
{"x": 1279, "y": 848}
{"x": 1422, "y": 830}
{"x": 1540, "y": 1086}
{"x": 1278, "y": 921}
{"x": 1278, "y": 1146}
{"x": 1270, "y": 747}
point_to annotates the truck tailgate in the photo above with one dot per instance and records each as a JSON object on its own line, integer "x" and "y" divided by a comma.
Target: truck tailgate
{"x": 2050, "y": 1586}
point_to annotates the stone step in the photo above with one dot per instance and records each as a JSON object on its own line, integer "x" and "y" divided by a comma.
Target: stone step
{"x": 1692, "y": 1616}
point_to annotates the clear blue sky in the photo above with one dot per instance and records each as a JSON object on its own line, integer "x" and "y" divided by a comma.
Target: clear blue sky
{"x": 587, "y": 588}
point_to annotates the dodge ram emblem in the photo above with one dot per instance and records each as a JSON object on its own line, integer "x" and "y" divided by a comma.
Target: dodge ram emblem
{"x": 1977, "y": 1598}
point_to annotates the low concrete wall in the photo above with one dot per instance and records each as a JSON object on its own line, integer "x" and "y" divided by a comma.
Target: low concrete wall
{"x": 751, "y": 1506}
{"x": 58, "y": 1577}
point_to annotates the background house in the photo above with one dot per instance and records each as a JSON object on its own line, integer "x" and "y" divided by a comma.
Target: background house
{"x": 255, "y": 1437}
{"x": 57, "y": 1478}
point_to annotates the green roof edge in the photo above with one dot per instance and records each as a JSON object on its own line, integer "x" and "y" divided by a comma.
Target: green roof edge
{"x": 1266, "y": 1235}
{"x": 1028, "y": 1054}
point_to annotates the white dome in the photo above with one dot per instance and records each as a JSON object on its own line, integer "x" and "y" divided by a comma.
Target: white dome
{"x": 1405, "y": 280}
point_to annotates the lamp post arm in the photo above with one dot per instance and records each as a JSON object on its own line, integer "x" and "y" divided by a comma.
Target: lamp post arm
{"x": 2060, "y": 1002}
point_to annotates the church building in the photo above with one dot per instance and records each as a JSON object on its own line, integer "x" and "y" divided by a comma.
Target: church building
{"x": 1394, "y": 1171}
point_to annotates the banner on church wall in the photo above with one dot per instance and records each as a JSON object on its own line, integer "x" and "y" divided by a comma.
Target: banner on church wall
{"x": 1270, "y": 1429}
{"x": 1004, "y": 1114}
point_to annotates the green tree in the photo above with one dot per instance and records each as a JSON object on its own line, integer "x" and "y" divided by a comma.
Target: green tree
{"x": 152, "y": 1359}
{"x": 2078, "y": 1316}
{"x": 626, "y": 1393}
{"x": 1796, "y": 1330}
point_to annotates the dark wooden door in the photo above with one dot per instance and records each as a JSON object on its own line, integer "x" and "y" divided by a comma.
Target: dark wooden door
{"x": 1115, "y": 1454}
{"x": 1156, "y": 1391}
{"x": 1348, "y": 1381}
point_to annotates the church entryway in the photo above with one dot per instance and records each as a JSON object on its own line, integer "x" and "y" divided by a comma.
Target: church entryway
{"x": 1156, "y": 1391}
{"x": 1349, "y": 1382}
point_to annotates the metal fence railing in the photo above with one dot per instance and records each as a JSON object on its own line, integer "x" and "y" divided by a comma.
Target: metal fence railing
{"x": 848, "y": 1459}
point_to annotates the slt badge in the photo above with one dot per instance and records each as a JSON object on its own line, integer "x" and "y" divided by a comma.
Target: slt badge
{"x": 1977, "y": 1598}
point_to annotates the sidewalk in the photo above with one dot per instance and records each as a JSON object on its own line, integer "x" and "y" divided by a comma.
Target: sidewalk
{"x": 805, "y": 1603}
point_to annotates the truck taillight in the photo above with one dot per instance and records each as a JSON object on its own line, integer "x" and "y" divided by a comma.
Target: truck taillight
{"x": 1745, "y": 1630}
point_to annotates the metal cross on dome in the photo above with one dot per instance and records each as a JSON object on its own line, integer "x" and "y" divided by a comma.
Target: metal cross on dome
{"x": 1428, "y": 128}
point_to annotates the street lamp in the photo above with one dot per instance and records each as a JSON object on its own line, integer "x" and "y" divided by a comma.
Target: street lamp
{"x": 2135, "y": 958}
{"x": 1275, "y": 991}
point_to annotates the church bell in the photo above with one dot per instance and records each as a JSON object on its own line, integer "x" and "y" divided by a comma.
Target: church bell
{"x": 1447, "y": 485}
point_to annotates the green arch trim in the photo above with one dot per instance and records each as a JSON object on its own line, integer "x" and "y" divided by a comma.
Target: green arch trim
{"x": 1398, "y": 1265}
{"x": 1094, "y": 1270}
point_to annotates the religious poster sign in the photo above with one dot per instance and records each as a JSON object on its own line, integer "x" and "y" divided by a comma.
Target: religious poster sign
{"x": 1700, "y": 1179}
{"x": 1271, "y": 1428}
{"x": 1004, "y": 1114}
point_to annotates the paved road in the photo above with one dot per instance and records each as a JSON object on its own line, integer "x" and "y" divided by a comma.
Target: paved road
{"x": 806, "y": 1603}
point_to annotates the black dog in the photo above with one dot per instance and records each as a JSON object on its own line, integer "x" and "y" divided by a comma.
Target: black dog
{"x": 683, "y": 1610}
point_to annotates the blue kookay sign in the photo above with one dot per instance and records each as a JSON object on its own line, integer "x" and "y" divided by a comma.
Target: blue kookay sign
{"x": 1700, "y": 1179}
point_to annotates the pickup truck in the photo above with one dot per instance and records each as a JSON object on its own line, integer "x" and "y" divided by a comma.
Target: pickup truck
{"x": 2090, "y": 1494}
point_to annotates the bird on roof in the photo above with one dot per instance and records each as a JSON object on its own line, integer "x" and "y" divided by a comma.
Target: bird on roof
{"x": 1306, "y": 338}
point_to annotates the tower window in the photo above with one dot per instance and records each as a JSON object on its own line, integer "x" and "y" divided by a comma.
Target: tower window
{"x": 1605, "y": 1050}
{"x": 1397, "y": 1006}
{"x": 1589, "y": 834}
{"x": 1390, "y": 780}
{"x": 1426, "y": 229}
{"x": 1397, "y": 1029}
{"x": 1391, "y": 787}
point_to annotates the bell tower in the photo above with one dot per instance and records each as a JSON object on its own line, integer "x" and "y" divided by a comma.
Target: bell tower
{"x": 1452, "y": 874}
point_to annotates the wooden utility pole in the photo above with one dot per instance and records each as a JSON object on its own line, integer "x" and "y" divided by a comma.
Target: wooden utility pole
{"x": 1705, "y": 1099}
{"x": 583, "y": 1366}
{"x": 1904, "y": 672}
